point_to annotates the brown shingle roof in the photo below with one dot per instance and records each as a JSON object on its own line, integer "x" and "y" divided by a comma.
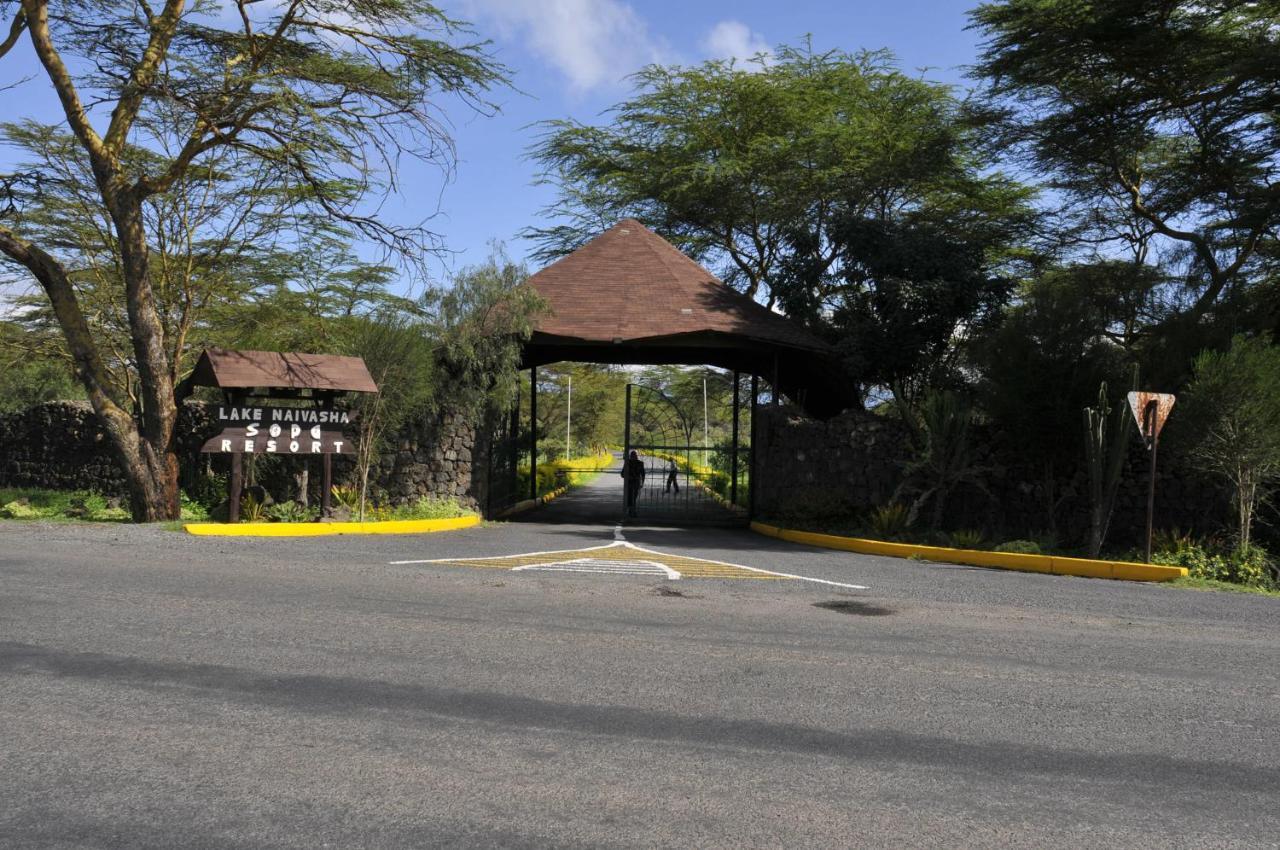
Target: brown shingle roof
{"x": 630, "y": 284}
{"x": 220, "y": 367}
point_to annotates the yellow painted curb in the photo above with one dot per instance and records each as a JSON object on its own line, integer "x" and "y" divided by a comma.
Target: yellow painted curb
{"x": 320, "y": 529}
{"x": 521, "y": 507}
{"x": 1052, "y": 564}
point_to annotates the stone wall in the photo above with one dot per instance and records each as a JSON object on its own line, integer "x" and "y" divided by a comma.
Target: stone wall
{"x": 57, "y": 445}
{"x": 60, "y": 445}
{"x": 434, "y": 457}
{"x": 853, "y": 463}
{"x": 845, "y": 465}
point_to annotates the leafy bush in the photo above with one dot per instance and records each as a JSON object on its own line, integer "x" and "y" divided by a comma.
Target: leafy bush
{"x": 59, "y": 504}
{"x": 889, "y": 522}
{"x": 430, "y": 507}
{"x": 251, "y": 510}
{"x": 968, "y": 538}
{"x": 1020, "y": 547}
{"x": 1250, "y": 566}
{"x": 207, "y": 491}
{"x": 289, "y": 512}
{"x": 346, "y": 496}
{"x": 20, "y": 509}
{"x": 192, "y": 510}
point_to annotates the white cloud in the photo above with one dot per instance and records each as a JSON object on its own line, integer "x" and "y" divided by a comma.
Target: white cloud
{"x": 734, "y": 40}
{"x": 592, "y": 43}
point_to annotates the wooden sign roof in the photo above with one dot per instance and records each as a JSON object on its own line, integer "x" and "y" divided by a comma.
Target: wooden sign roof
{"x": 630, "y": 284}
{"x": 291, "y": 370}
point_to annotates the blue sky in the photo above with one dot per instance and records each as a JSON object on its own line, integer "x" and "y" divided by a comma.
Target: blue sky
{"x": 570, "y": 58}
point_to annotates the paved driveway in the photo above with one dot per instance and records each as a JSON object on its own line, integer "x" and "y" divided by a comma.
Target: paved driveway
{"x": 158, "y": 690}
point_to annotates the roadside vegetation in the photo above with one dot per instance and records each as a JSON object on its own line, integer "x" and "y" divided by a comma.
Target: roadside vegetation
{"x": 554, "y": 474}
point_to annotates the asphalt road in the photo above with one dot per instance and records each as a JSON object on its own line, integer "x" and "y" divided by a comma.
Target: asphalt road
{"x": 159, "y": 690}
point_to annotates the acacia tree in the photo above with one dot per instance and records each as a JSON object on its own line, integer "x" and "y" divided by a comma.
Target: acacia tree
{"x": 324, "y": 96}
{"x": 745, "y": 167}
{"x": 1162, "y": 110}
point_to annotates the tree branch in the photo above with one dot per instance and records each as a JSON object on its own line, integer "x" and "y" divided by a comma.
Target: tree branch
{"x": 15, "y": 32}
{"x": 57, "y": 285}
{"x": 37, "y": 15}
{"x": 143, "y": 74}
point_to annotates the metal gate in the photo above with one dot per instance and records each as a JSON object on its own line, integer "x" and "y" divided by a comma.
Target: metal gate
{"x": 677, "y": 482}
{"x": 503, "y": 433}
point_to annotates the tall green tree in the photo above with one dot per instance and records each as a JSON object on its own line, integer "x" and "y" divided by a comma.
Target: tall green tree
{"x": 319, "y": 99}
{"x": 1234, "y": 401}
{"x": 745, "y": 167}
{"x": 1161, "y": 110}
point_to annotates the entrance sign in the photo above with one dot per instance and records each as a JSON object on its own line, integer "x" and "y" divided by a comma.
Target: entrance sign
{"x": 1152, "y": 411}
{"x": 311, "y": 422}
{"x": 1151, "y": 421}
{"x": 281, "y": 440}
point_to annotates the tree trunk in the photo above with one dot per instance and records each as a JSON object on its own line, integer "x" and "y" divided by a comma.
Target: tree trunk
{"x": 159, "y": 406}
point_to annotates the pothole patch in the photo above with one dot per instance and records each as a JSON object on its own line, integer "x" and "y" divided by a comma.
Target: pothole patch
{"x": 857, "y": 609}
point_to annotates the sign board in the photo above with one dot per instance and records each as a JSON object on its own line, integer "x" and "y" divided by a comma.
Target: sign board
{"x": 1138, "y": 403}
{"x": 280, "y": 439}
{"x": 251, "y": 429}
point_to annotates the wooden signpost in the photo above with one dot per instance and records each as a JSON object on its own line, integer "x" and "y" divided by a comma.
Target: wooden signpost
{"x": 1152, "y": 411}
{"x": 281, "y": 403}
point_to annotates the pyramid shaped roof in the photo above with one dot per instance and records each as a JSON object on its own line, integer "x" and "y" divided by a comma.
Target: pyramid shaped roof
{"x": 630, "y": 297}
{"x": 630, "y": 284}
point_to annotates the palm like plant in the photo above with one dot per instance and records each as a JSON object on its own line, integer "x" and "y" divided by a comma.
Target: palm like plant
{"x": 944, "y": 459}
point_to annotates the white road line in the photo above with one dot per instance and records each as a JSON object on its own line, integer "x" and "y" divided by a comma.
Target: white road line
{"x": 799, "y": 578}
{"x": 508, "y": 557}
{"x": 639, "y": 549}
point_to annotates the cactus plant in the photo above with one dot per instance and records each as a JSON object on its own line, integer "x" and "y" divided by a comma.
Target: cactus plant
{"x": 1106, "y": 432}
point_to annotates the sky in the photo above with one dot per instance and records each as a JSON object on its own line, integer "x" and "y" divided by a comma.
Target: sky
{"x": 571, "y": 59}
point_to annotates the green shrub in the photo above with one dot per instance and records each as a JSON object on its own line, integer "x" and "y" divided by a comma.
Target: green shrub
{"x": 21, "y": 509}
{"x": 192, "y": 510}
{"x": 1020, "y": 547}
{"x": 289, "y": 512}
{"x": 889, "y": 522}
{"x": 1251, "y": 566}
{"x": 968, "y": 538}
{"x": 430, "y": 507}
{"x": 346, "y": 496}
{"x": 251, "y": 510}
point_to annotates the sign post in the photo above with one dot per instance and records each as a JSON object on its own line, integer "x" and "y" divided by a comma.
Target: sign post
{"x": 280, "y": 403}
{"x": 1152, "y": 411}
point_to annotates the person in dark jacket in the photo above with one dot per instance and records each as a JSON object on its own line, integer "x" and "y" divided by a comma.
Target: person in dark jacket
{"x": 633, "y": 479}
{"x": 673, "y": 481}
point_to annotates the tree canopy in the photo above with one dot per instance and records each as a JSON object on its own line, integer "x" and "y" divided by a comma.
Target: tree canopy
{"x": 307, "y": 103}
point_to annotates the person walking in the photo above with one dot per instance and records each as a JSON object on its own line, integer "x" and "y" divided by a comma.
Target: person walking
{"x": 673, "y": 482}
{"x": 633, "y": 479}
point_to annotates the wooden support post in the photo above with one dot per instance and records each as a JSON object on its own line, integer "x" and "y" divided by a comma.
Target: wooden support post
{"x": 733, "y": 462}
{"x": 533, "y": 432}
{"x": 752, "y": 482}
{"x": 626, "y": 452}
{"x": 776, "y": 393}
{"x": 326, "y": 485}
{"x": 234, "y": 487}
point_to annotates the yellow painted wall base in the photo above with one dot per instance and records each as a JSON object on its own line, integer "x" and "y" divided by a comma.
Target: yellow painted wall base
{"x": 321, "y": 529}
{"x": 1052, "y": 564}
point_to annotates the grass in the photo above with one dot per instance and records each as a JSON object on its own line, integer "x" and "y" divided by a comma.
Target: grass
{"x": 1192, "y": 583}
{"x": 21, "y": 503}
